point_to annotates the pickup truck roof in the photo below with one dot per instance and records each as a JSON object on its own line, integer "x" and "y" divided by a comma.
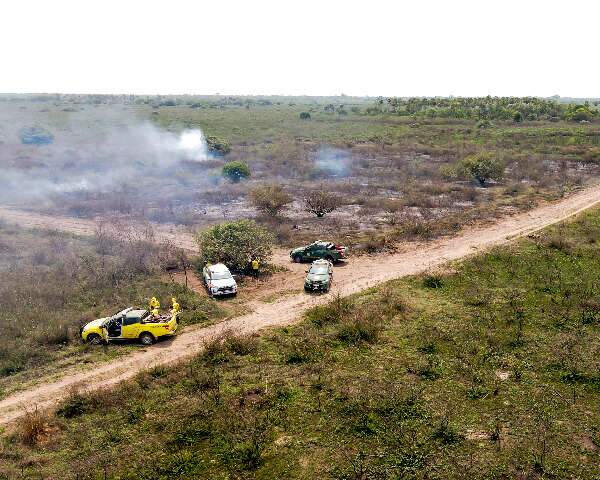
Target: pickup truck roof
{"x": 217, "y": 268}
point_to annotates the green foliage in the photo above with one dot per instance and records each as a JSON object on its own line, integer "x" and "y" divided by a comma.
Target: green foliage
{"x": 270, "y": 199}
{"x": 490, "y": 108}
{"x": 482, "y": 167}
{"x": 235, "y": 244}
{"x": 304, "y": 116}
{"x": 236, "y": 171}
{"x": 578, "y": 113}
{"x": 218, "y": 145}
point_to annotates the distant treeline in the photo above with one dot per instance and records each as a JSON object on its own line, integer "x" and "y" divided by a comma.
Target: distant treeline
{"x": 488, "y": 108}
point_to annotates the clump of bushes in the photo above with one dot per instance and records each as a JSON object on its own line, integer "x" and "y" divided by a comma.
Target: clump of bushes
{"x": 235, "y": 244}
{"x": 270, "y": 199}
{"x": 217, "y": 145}
{"x": 304, "y": 116}
{"x": 236, "y": 171}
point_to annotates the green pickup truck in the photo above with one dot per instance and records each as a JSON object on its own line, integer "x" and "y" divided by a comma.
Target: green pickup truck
{"x": 319, "y": 250}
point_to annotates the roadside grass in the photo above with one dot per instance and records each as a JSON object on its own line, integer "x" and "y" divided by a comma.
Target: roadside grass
{"x": 490, "y": 370}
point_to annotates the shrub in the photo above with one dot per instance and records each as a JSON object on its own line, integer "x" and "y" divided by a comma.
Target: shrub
{"x": 482, "y": 167}
{"x": 236, "y": 171}
{"x": 32, "y": 426}
{"x": 270, "y": 199}
{"x": 334, "y": 312}
{"x": 217, "y": 145}
{"x": 304, "y": 116}
{"x": 320, "y": 202}
{"x": 577, "y": 113}
{"x": 235, "y": 244}
{"x": 433, "y": 281}
{"x": 74, "y": 405}
{"x": 360, "y": 328}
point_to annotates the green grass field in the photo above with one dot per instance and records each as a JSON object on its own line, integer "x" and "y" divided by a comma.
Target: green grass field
{"x": 487, "y": 369}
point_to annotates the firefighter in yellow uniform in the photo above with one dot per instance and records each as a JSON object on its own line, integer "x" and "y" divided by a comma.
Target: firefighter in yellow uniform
{"x": 255, "y": 266}
{"x": 175, "y": 307}
{"x": 154, "y": 306}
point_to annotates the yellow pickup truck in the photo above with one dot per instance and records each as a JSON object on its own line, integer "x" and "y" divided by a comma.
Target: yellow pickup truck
{"x": 131, "y": 323}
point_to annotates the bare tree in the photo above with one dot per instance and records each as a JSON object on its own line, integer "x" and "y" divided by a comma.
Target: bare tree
{"x": 320, "y": 202}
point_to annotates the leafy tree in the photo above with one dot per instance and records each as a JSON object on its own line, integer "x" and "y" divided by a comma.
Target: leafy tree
{"x": 304, "y": 116}
{"x": 517, "y": 117}
{"x": 482, "y": 167}
{"x": 236, "y": 171}
{"x": 218, "y": 145}
{"x": 235, "y": 244}
{"x": 320, "y": 202}
{"x": 577, "y": 113}
{"x": 270, "y": 199}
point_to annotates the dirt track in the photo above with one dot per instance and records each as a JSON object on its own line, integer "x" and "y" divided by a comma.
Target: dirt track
{"x": 359, "y": 274}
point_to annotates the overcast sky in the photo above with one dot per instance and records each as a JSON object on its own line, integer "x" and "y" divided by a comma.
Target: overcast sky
{"x": 324, "y": 47}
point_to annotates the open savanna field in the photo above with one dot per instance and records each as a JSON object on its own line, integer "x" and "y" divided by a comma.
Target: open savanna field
{"x": 487, "y": 368}
{"x": 393, "y": 175}
{"x": 483, "y": 368}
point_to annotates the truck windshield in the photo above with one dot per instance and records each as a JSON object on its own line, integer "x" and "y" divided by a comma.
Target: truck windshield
{"x": 220, "y": 275}
{"x": 320, "y": 270}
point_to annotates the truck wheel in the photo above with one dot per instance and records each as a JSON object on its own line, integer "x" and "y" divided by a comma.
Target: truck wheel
{"x": 146, "y": 338}
{"x": 297, "y": 258}
{"x": 94, "y": 339}
{"x": 329, "y": 258}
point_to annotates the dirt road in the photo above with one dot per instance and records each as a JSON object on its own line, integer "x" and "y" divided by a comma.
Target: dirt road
{"x": 359, "y": 274}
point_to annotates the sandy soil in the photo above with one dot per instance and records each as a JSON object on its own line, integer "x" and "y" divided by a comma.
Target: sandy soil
{"x": 358, "y": 274}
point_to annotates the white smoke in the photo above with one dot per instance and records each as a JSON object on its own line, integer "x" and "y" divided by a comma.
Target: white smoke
{"x": 94, "y": 151}
{"x": 333, "y": 161}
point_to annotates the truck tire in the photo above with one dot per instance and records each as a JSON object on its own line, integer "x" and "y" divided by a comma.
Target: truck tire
{"x": 94, "y": 339}
{"x": 146, "y": 338}
{"x": 297, "y": 259}
{"x": 329, "y": 258}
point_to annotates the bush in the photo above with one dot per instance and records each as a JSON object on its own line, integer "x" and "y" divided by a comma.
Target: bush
{"x": 217, "y": 145}
{"x": 360, "y": 328}
{"x": 74, "y": 405}
{"x": 270, "y": 199}
{"x": 304, "y": 116}
{"x": 577, "y": 113}
{"x": 236, "y": 171}
{"x": 482, "y": 167}
{"x": 320, "y": 202}
{"x": 235, "y": 244}
{"x": 32, "y": 426}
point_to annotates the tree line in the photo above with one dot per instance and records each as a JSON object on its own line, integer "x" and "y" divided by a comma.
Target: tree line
{"x": 516, "y": 109}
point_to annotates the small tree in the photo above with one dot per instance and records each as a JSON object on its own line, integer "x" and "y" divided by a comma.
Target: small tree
{"x": 218, "y": 146}
{"x": 236, "y": 171}
{"x": 320, "y": 202}
{"x": 304, "y": 116}
{"x": 270, "y": 199}
{"x": 235, "y": 244}
{"x": 482, "y": 167}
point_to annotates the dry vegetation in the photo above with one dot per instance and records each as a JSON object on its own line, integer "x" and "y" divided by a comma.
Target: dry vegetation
{"x": 382, "y": 168}
{"x": 53, "y": 283}
{"x": 487, "y": 371}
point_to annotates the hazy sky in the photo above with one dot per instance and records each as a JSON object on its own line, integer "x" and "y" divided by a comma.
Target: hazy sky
{"x": 325, "y": 47}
